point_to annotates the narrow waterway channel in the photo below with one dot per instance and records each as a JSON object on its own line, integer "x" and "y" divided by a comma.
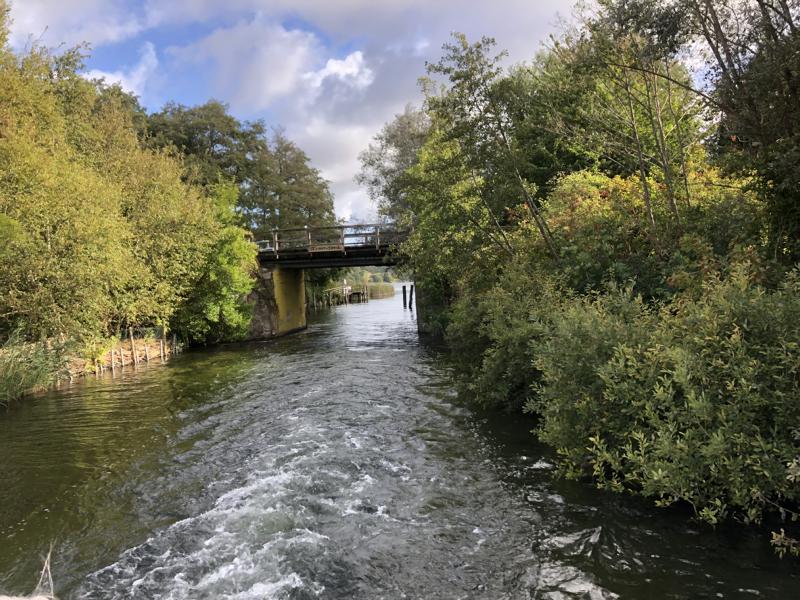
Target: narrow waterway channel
{"x": 336, "y": 463}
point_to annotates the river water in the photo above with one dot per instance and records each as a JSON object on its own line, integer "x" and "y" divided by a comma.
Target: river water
{"x": 335, "y": 463}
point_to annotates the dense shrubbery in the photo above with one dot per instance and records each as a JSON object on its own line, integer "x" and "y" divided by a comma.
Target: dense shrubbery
{"x": 693, "y": 401}
{"x": 111, "y": 218}
{"x": 100, "y": 234}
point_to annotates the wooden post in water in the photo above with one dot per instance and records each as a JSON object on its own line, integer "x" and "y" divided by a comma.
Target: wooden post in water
{"x": 146, "y": 351}
{"x": 113, "y": 366}
{"x": 133, "y": 346}
{"x": 411, "y": 298}
{"x": 161, "y": 348}
{"x": 404, "y": 298}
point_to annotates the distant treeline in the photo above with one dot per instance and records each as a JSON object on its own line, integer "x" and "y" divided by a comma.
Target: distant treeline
{"x": 612, "y": 240}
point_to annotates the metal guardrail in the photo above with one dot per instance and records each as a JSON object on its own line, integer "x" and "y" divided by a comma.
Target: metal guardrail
{"x": 331, "y": 239}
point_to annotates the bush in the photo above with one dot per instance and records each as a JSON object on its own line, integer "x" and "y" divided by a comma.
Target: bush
{"x": 494, "y": 336}
{"x": 696, "y": 401}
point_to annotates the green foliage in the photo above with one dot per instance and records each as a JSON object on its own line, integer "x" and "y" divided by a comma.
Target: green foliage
{"x": 494, "y": 336}
{"x": 596, "y": 261}
{"x": 277, "y": 185}
{"x": 216, "y": 308}
{"x": 600, "y": 227}
{"x": 696, "y": 401}
{"x": 97, "y": 232}
{"x": 384, "y": 164}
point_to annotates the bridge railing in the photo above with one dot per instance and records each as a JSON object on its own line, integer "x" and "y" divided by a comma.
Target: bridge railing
{"x": 331, "y": 239}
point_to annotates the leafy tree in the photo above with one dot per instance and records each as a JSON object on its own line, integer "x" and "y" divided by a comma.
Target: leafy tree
{"x": 216, "y": 308}
{"x": 214, "y": 143}
{"x": 298, "y": 195}
{"x": 385, "y": 163}
{"x": 277, "y": 185}
{"x": 473, "y": 112}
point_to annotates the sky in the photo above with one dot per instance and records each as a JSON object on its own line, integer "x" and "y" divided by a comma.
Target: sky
{"x": 329, "y": 73}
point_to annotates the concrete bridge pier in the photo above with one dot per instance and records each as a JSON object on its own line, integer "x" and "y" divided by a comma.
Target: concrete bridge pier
{"x": 279, "y": 302}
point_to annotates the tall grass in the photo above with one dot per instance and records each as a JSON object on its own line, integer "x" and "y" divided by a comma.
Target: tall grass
{"x": 26, "y": 367}
{"x": 381, "y": 290}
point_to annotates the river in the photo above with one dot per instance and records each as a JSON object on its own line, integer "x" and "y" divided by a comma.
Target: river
{"x": 334, "y": 463}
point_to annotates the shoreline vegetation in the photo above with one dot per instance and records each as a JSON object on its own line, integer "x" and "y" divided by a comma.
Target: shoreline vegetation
{"x": 609, "y": 242}
{"x": 381, "y": 290}
{"x": 30, "y": 367}
{"x": 113, "y": 218}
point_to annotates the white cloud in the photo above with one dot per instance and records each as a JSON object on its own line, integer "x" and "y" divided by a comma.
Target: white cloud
{"x": 334, "y": 149}
{"x": 254, "y": 63}
{"x": 135, "y": 79}
{"x": 71, "y": 22}
{"x": 351, "y": 71}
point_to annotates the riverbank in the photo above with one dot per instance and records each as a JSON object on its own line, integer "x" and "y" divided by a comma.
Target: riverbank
{"x": 27, "y": 368}
{"x": 120, "y": 354}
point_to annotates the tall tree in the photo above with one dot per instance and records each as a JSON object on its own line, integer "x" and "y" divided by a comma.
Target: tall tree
{"x": 472, "y": 109}
{"x": 385, "y": 163}
{"x": 277, "y": 185}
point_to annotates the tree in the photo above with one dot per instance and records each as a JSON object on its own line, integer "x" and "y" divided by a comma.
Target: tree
{"x": 214, "y": 143}
{"x": 473, "y": 111}
{"x": 288, "y": 192}
{"x": 277, "y": 185}
{"x": 97, "y": 232}
{"x": 385, "y": 163}
{"x": 216, "y": 308}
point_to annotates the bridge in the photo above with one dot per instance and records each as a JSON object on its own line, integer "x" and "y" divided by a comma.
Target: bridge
{"x": 279, "y": 297}
{"x": 326, "y": 247}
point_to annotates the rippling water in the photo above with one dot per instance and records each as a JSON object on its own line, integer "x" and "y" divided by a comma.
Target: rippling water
{"x": 335, "y": 463}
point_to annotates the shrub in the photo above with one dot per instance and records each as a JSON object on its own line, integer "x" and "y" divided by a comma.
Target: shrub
{"x": 494, "y": 336}
{"x": 698, "y": 401}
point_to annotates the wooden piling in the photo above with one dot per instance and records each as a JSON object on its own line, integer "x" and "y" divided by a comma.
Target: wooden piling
{"x": 411, "y": 298}
{"x": 133, "y": 346}
{"x": 146, "y": 351}
{"x": 113, "y": 364}
{"x": 161, "y": 348}
{"x": 405, "y": 305}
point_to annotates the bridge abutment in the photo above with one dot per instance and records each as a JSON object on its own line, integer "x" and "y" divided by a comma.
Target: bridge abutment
{"x": 279, "y": 302}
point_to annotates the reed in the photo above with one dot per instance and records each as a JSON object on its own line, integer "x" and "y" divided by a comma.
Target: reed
{"x": 26, "y": 367}
{"x": 44, "y": 589}
{"x": 381, "y": 290}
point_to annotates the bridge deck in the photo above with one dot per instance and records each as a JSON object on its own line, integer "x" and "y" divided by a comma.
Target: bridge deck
{"x": 327, "y": 247}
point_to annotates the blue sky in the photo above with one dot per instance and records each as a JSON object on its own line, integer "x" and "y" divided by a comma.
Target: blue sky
{"x": 330, "y": 73}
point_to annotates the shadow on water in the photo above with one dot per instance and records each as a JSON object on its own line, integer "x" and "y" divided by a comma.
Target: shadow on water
{"x": 335, "y": 463}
